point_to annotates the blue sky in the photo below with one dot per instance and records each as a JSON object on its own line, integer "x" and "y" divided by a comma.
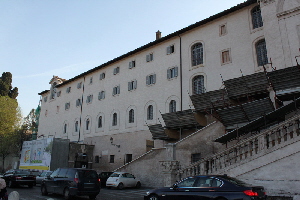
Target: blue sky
{"x": 42, "y": 38}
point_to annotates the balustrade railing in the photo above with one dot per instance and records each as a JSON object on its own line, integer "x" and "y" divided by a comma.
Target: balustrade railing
{"x": 256, "y": 144}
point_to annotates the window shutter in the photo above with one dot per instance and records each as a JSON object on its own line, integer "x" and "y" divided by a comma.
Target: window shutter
{"x": 169, "y": 73}
{"x": 118, "y": 70}
{"x": 176, "y": 71}
{"x": 134, "y": 84}
{"x": 114, "y": 89}
{"x": 118, "y": 89}
{"x": 147, "y": 80}
{"x": 154, "y": 78}
{"x": 129, "y": 86}
{"x": 168, "y": 50}
{"x": 103, "y": 94}
{"x": 130, "y": 65}
{"x": 148, "y": 57}
{"x": 115, "y": 71}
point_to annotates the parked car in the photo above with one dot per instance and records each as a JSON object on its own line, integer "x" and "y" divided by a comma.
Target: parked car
{"x": 208, "y": 187}
{"x": 72, "y": 182}
{"x": 35, "y": 174}
{"x": 121, "y": 180}
{"x": 17, "y": 177}
{"x": 103, "y": 178}
{"x": 42, "y": 176}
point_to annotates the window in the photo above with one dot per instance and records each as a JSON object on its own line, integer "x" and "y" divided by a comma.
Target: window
{"x": 196, "y": 157}
{"x": 89, "y": 99}
{"x": 116, "y": 90}
{"x": 131, "y": 116}
{"x": 78, "y": 102}
{"x": 91, "y": 80}
{"x": 87, "y": 124}
{"x": 131, "y": 64}
{"x": 128, "y": 158}
{"x": 68, "y": 90}
{"x": 115, "y": 119}
{"x": 132, "y": 85}
{"x": 102, "y": 76}
{"x": 225, "y": 57}
{"x": 256, "y": 17}
{"x": 188, "y": 182}
{"x": 150, "y": 112}
{"x": 261, "y": 52}
{"x": 65, "y": 128}
{"x": 172, "y": 72}
{"x": 198, "y": 84}
{"x": 100, "y": 122}
{"x": 67, "y": 106}
{"x": 45, "y": 99}
{"x": 223, "y": 29}
{"x": 76, "y": 126}
{"x": 111, "y": 158}
{"x": 58, "y": 94}
{"x": 96, "y": 159}
{"x": 79, "y": 85}
{"x": 151, "y": 79}
{"x": 197, "y": 54}
{"x": 116, "y": 70}
{"x": 101, "y": 95}
{"x": 149, "y": 57}
{"x": 170, "y": 49}
{"x": 172, "y": 106}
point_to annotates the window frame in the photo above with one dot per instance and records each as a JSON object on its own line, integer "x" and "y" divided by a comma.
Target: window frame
{"x": 256, "y": 18}
{"x": 170, "y": 49}
{"x": 197, "y": 54}
{"x": 150, "y": 112}
{"x": 172, "y": 73}
{"x": 172, "y": 106}
{"x": 102, "y": 76}
{"x": 261, "y": 52}
{"x": 196, "y": 90}
{"x": 115, "y": 119}
{"x": 149, "y": 57}
{"x": 131, "y": 116}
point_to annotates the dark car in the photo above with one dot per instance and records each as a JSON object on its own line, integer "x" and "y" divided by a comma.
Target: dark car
{"x": 17, "y": 177}
{"x": 72, "y": 182}
{"x": 208, "y": 187}
{"x": 103, "y": 178}
{"x": 42, "y": 176}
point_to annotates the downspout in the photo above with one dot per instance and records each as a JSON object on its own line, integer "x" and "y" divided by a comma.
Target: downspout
{"x": 81, "y": 110}
{"x": 180, "y": 69}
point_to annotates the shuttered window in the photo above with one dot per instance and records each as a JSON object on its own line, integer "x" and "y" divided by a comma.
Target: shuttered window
{"x": 172, "y": 72}
{"x": 132, "y": 85}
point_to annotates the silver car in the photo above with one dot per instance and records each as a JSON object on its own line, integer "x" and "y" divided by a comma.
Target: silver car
{"x": 42, "y": 176}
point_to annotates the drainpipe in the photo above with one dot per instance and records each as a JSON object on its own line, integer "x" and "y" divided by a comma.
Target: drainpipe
{"x": 180, "y": 69}
{"x": 81, "y": 110}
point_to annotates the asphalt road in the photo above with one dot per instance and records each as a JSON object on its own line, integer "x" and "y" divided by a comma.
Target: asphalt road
{"x": 105, "y": 194}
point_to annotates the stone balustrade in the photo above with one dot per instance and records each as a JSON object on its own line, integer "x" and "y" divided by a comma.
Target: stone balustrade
{"x": 246, "y": 149}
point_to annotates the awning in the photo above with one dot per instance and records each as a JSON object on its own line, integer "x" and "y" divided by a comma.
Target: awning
{"x": 245, "y": 112}
{"x": 158, "y": 132}
{"x": 262, "y": 122}
{"x": 180, "y": 119}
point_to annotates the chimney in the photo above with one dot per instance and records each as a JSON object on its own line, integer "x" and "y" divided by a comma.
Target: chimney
{"x": 158, "y": 35}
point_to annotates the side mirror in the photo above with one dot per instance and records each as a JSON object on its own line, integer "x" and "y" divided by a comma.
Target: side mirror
{"x": 175, "y": 186}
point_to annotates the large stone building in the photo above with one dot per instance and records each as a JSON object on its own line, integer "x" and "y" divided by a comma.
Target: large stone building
{"x": 130, "y": 105}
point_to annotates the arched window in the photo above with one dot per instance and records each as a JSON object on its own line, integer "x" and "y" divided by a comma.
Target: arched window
{"x": 256, "y": 17}
{"x": 100, "y": 122}
{"x": 172, "y": 106}
{"x": 197, "y": 54}
{"x": 115, "y": 119}
{"x": 198, "y": 84}
{"x": 76, "y": 126}
{"x": 65, "y": 128}
{"x": 131, "y": 116}
{"x": 87, "y": 124}
{"x": 261, "y": 52}
{"x": 150, "y": 112}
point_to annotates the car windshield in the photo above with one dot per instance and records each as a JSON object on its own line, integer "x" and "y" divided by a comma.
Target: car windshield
{"x": 115, "y": 175}
{"x": 22, "y": 172}
{"x": 236, "y": 181}
{"x": 43, "y": 174}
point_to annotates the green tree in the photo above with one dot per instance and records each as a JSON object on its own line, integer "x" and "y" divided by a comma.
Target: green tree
{"x": 10, "y": 119}
{"x": 6, "y": 88}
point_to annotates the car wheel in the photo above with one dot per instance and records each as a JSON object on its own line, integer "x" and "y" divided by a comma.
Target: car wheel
{"x": 10, "y": 184}
{"x": 92, "y": 197}
{"x": 120, "y": 186}
{"x": 138, "y": 185}
{"x": 44, "y": 190}
{"x": 30, "y": 185}
{"x": 67, "y": 195}
{"x": 153, "y": 197}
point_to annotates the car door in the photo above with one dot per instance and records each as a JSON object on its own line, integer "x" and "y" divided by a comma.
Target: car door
{"x": 182, "y": 190}
{"x": 60, "y": 181}
{"x": 130, "y": 179}
{"x": 50, "y": 183}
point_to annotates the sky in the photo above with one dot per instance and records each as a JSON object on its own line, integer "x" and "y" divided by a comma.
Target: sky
{"x": 42, "y": 38}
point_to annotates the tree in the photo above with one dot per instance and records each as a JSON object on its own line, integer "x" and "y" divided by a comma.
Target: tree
{"x": 10, "y": 118}
{"x": 6, "y": 88}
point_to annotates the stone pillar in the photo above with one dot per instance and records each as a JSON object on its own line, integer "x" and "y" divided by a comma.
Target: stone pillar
{"x": 169, "y": 170}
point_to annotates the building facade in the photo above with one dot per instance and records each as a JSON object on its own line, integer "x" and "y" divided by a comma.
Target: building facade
{"x": 112, "y": 106}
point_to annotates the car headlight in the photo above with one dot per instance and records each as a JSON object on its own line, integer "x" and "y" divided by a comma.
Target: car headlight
{"x": 147, "y": 193}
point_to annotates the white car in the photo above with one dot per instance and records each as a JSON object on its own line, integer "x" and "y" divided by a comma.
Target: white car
{"x": 121, "y": 180}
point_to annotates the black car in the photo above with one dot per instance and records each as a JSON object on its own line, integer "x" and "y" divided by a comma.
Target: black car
{"x": 208, "y": 187}
{"x": 16, "y": 177}
{"x": 103, "y": 177}
{"x": 72, "y": 182}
